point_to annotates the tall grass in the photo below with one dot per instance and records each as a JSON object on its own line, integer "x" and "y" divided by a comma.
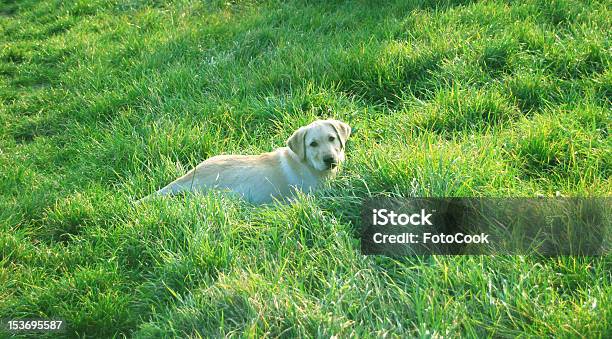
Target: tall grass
{"x": 102, "y": 102}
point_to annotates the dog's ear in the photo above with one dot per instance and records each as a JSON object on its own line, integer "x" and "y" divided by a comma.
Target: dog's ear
{"x": 342, "y": 129}
{"x": 297, "y": 142}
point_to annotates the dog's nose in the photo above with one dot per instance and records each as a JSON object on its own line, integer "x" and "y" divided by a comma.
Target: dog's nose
{"x": 330, "y": 161}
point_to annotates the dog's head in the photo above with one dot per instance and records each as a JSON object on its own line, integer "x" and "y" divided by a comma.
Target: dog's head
{"x": 321, "y": 144}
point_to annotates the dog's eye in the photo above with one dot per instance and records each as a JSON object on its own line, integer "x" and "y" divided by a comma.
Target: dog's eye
{"x": 332, "y": 138}
{"x": 314, "y": 144}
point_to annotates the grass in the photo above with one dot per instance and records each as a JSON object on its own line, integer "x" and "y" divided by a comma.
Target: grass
{"x": 105, "y": 101}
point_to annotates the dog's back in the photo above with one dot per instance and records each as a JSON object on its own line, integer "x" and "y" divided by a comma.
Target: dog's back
{"x": 257, "y": 178}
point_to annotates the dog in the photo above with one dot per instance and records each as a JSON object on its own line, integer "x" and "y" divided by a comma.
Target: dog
{"x": 313, "y": 154}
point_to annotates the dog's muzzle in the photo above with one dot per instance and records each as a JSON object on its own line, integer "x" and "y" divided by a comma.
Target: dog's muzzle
{"x": 330, "y": 162}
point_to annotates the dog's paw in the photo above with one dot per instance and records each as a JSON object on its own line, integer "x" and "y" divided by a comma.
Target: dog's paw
{"x": 558, "y": 194}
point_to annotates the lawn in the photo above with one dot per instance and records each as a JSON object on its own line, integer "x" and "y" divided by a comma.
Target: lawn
{"x": 103, "y": 102}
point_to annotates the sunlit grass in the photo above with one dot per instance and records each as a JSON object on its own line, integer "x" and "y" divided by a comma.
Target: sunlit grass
{"x": 102, "y": 102}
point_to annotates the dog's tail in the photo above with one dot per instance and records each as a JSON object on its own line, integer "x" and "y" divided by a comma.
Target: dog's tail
{"x": 177, "y": 186}
{"x": 169, "y": 190}
{"x": 184, "y": 183}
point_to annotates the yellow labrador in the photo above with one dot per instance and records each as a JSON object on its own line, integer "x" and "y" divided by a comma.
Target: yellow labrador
{"x": 313, "y": 155}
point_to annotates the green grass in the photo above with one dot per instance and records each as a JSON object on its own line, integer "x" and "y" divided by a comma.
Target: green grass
{"x": 105, "y": 101}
